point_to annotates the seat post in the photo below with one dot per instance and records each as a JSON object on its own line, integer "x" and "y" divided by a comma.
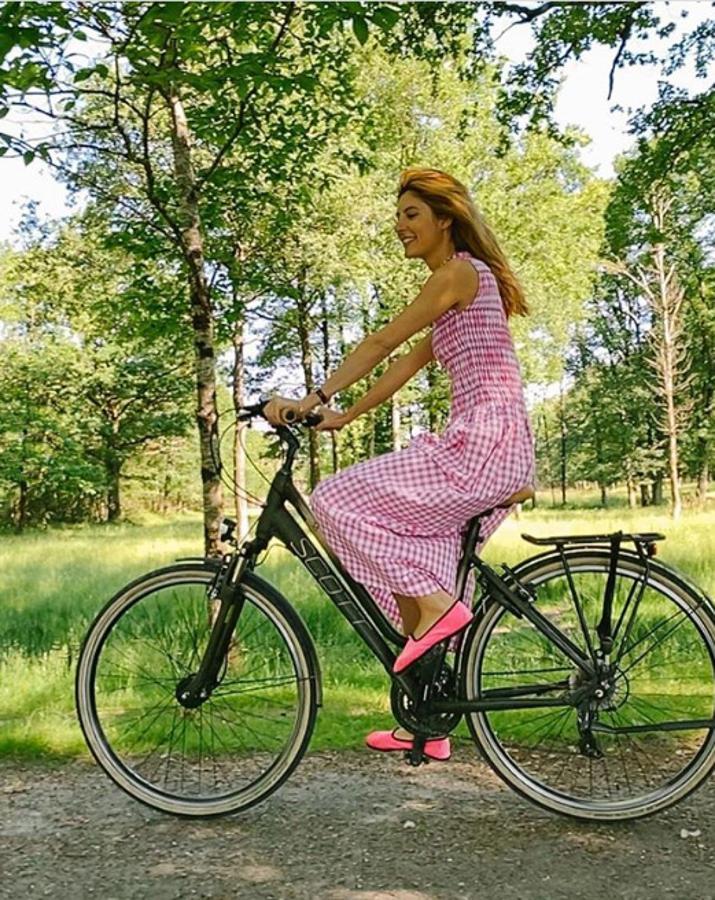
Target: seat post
{"x": 470, "y": 541}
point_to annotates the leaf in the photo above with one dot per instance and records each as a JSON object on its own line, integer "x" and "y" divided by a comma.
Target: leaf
{"x": 28, "y": 156}
{"x": 386, "y": 17}
{"x": 7, "y": 42}
{"x": 360, "y": 29}
{"x": 170, "y": 12}
{"x": 83, "y": 75}
{"x": 4, "y": 110}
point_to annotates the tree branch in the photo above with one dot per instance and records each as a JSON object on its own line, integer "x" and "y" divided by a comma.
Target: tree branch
{"x": 242, "y": 107}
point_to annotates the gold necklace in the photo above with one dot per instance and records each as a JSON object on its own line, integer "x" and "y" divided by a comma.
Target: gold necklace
{"x": 446, "y": 260}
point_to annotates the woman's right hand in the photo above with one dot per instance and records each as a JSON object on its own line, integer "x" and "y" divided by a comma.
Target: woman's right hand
{"x": 332, "y": 420}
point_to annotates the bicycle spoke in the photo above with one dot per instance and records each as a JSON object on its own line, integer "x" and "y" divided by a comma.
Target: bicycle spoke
{"x": 662, "y": 670}
{"x": 236, "y": 737}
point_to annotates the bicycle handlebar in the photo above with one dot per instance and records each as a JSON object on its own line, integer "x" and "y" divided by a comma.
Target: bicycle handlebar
{"x": 251, "y": 410}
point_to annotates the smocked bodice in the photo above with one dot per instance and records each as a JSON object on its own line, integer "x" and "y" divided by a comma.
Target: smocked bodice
{"x": 475, "y": 347}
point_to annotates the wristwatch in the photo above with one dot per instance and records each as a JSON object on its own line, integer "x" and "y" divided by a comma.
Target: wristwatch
{"x": 321, "y": 393}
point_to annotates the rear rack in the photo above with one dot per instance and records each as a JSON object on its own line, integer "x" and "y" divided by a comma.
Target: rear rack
{"x": 646, "y": 537}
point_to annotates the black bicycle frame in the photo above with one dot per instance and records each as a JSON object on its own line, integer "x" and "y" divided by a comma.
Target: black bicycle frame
{"x": 358, "y": 606}
{"x": 360, "y": 609}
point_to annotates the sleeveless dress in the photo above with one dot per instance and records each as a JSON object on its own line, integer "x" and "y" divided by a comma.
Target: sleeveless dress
{"x": 396, "y": 521}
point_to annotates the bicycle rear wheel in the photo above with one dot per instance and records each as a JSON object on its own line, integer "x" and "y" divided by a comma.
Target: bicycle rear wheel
{"x": 234, "y": 749}
{"x": 664, "y": 671}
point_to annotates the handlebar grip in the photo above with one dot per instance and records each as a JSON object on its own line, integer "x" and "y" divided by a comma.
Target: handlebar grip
{"x": 309, "y": 419}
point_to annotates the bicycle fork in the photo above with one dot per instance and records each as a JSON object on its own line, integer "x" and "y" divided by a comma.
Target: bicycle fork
{"x": 195, "y": 689}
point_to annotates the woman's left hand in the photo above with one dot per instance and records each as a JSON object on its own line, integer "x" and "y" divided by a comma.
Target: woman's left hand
{"x": 277, "y": 406}
{"x": 332, "y": 419}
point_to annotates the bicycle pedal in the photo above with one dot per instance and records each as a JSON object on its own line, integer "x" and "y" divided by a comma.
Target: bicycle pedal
{"x": 413, "y": 760}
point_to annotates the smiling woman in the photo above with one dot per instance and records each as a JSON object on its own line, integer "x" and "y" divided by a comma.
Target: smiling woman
{"x": 396, "y": 521}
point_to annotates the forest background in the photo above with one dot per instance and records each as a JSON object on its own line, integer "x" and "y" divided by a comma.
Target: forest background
{"x": 238, "y": 176}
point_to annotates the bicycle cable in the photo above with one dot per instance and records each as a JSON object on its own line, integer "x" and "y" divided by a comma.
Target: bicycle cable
{"x": 229, "y": 481}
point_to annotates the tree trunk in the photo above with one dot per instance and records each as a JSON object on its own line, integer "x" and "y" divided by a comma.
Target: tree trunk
{"x": 325, "y": 335}
{"x": 201, "y": 318}
{"x": 240, "y": 430}
{"x": 632, "y": 493}
{"x": 395, "y": 417}
{"x": 21, "y": 518}
{"x": 562, "y": 444}
{"x": 703, "y": 474}
{"x": 657, "y": 489}
{"x": 669, "y": 301}
{"x": 306, "y": 361}
{"x": 645, "y": 494}
{"x": 114, "y": 467}
{"x": 371, "y": 442}
{"x": 547, "y": 441}
{"x": 165, "y": 498}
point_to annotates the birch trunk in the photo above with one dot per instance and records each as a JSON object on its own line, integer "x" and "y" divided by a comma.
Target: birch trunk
{"x": 670, "y": 301}
{"x": 201, "y": 319}
{"x": 239, "y": 431}
{"x": 306, "y": 361}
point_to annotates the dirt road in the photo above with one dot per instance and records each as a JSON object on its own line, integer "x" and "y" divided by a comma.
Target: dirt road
{"x": 347, "y": 826}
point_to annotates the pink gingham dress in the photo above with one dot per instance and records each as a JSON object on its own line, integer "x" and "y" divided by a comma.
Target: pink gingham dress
{"x": 396, "y": 521}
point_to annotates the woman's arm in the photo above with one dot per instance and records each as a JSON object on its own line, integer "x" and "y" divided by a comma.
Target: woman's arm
{"x": 361, "y": 360}
{"x": 401, "y": 370}
{"x": 454, "y": 281}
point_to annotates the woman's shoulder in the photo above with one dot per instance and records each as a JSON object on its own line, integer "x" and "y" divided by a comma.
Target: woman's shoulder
{"x": 475, "y": 260}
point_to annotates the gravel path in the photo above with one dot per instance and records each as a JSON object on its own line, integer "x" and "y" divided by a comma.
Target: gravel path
{"x": 346, "y": 826}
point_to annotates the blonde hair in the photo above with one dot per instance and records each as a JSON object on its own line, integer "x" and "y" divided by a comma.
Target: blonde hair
{"x": 448, "y": 197}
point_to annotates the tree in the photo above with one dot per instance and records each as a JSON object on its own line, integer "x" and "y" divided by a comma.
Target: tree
{"x": 111, "y": 387}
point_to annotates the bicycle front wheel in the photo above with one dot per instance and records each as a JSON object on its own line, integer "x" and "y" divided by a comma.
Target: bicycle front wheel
{"x": 663, "y": 674}
{"x": 234, "y": 749}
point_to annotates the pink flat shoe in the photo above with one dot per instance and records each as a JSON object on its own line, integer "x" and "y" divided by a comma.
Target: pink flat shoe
{"x": 457, "y": 617}
{"x": 435, "y": 748}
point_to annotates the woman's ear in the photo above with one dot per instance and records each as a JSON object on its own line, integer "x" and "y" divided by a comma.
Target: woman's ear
{"x": 446, "y": 223}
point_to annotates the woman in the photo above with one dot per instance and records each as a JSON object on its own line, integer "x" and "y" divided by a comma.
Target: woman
{"x": 396, "y": 521}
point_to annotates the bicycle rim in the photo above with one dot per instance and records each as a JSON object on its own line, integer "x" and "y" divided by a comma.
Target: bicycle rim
{"x": 666, "y": 672}
{"x": 228, "y": 753}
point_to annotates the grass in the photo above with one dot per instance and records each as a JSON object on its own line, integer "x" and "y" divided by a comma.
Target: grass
{"x": 55, "y": 582}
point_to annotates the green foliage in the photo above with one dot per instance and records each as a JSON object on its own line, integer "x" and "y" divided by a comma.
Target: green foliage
{"x": 82, "y": 392}
{"x": 300, "y": 118}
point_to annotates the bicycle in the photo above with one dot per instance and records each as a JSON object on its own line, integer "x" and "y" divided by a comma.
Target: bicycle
{"x": 586, "y": 677}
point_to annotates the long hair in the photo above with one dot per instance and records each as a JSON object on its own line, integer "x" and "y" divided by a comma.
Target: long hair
{"x": 448, "y": 197}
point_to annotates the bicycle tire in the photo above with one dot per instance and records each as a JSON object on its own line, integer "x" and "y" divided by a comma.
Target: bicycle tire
{"x": 262, "y": 598}
{"x": 536, "y": 574}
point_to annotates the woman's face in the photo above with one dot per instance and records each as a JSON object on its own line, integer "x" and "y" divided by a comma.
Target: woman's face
{"x": 417, "y": 228}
